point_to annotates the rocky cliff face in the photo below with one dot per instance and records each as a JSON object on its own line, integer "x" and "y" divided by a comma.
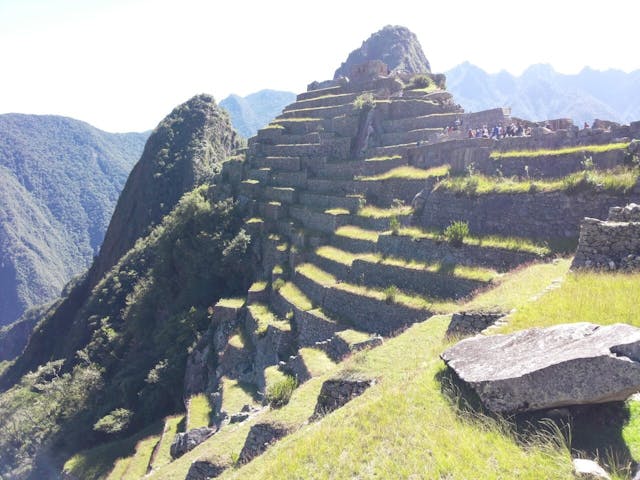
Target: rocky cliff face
{"x": 396, "y": 46}
{"x": 184, "y": 151}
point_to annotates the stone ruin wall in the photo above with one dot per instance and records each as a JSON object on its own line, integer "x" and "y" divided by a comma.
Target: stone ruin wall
{"x": 612, "y": 244}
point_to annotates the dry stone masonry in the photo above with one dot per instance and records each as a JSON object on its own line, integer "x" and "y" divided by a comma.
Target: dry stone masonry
{"x": 337, "y": 392}
{"x": 472, "y": 322}
{"x": 260, "y": 437}
{"x": 611, "y": 244}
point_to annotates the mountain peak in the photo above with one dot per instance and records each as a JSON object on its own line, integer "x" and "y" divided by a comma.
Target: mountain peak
{"x": 395, "y": 45}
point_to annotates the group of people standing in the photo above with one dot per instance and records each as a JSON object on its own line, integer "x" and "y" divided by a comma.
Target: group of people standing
{"x": 499, "y": 131}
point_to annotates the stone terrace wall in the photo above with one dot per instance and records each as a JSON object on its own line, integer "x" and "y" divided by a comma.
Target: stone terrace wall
{"x": 610, "y": 244}
{"x": 536, "y": 215}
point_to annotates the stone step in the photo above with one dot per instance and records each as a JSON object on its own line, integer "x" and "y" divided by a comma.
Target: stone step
{"x": 317, "y": 220}
{"x": 318, "y": 112}
{"x": 289, "y": 164}
{"x": 297, "y": 180}
{"x": 390, "y": 150}
{"x": 325, "y": 202}
{"x": 368, "y": 310}
{"x": 337, "y": 149}
{"x": 435, "y": 280}
{"x": 251, "y": 188}
{"x": 423, "y": 135}
{"x": 272, "y": 211}
{"x": 437, "y": 250}
{"x": 436, "y": 120}
{"x": 401, "y": 108}
{"x": 327, "y": 100}
{"x": 378, "y": 224}
{"x": 351, "y": 243}
{"x": 262, "y": 175}
{"x": 330, "y": 187}
{"x": 270, "y": 335}
{"x": 299, "y": 126}
{"x": 281, "y": 194}
{"x": 272, "y": 136}
{"x": 367, "y": 167}
{"x": 320, "y": 92}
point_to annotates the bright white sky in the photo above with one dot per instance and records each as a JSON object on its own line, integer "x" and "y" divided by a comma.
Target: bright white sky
{"x": 122, "y": 65}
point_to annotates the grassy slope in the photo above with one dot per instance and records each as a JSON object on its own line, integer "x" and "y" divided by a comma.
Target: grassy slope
{"x": 404, "y": 416}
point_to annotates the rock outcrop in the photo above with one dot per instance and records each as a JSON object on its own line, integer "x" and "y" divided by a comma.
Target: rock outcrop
{"x": 185, "y": 150}
{"x": 396, "y": 46}
{"x": 337, "y": 392}
{"x": 184, "y": 442}
{"x": 535, "y": 369}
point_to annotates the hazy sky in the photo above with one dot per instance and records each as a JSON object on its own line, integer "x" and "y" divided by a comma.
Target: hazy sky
{"x": 122, "y": 65}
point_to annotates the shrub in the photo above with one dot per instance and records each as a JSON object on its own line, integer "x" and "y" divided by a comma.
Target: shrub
{"x": 115, "y": 422}
{"x": 364, "y": 102}
{"x": 456, "y": 232}
{"x": 279, "y": 393}
{"x": 394, "y": 225}
{"x": 390, "y": 294}
{"x": 277, "y": 285}
{"x": 420, "y": 81}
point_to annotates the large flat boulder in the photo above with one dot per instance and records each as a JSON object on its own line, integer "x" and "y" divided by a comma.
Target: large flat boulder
{"x": 540, "y": 368}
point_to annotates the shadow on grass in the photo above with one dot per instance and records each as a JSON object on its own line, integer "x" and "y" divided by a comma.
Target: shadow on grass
{"x": 589, "y": 431}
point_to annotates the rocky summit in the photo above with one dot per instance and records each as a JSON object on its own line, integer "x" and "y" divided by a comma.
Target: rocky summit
{"x": 396, "y": 46}
{"x": 573, "y": 364}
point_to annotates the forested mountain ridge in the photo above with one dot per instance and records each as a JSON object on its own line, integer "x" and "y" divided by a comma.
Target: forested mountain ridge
{"x": 59, "y": 182}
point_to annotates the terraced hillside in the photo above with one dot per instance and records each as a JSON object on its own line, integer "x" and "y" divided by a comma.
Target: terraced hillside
{"x": 368, "y": 219}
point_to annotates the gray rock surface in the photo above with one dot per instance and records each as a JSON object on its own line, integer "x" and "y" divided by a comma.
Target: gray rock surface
{"x": 396, "y": 46}
{"x": 569, "y": 364}
{"x": 589, "y": 470}
{"x": 184, "y": 442}
{"x": 470, "y": 323}
{"x": 337, "y": 392}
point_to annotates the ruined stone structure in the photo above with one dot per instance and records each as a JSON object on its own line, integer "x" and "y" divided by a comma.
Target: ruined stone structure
{"x": 337, "y": 392}
{"x": 260, "y": 437}
{"x": 610, "y": 244}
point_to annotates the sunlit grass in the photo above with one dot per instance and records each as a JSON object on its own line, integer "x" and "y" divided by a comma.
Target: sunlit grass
{"x": 265, "y": 318}
{"x": 199, "y": 412}
{"x": 370, "y": 211}
{"x": 236, "y": 395}
{"x": 337, "y": 211}
{"x": 309, "y": 270}
{"x": 560, "y": 151}
{"x": 357, "y": 233}
{"x": 163, "y": 455}
{"x": 293, "y": 295}
{"x": 409, "y": 172}
{"x": 230, "y": 302}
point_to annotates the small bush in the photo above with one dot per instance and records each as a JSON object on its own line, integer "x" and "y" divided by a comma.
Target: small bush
{"x": 394, "y": 225}
{"x": 420, "y": 81}
{"x": 390, "y": 294}
{"x": 115, "y": 422}
{"x": 364, "y": 102}
{"x": 277, "y": 285}
{"x": 456, "y": 233}
{"x": 279, "y": 393}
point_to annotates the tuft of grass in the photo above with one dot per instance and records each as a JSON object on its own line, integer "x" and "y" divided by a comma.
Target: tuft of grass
{"x": 279, "y": 393}
{"x": 230, "y": 302}
{"x": 199, "y": 412}
{"x": 309, "y": 270}
{"x": 357, "y": 233}
{"x": 251, "y": 181}
{"x": 337, "y": 211}
{"x": 255, "y": 220}
{"x": 265, "y": 318}
{"x": 383, "y": 158}
{"x": 408, "y": 172}
{"x": 258, "y": 286}
{"x": 559, "y": 151}
{"x": 370, "y": 211}
{"x": 277, "y": 270}
{"x": 601, "y": 298}
{"x": 456, "y": 232}
{"x": 293, "y": 295}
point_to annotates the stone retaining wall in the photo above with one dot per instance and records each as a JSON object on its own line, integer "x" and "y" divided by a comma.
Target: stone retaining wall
{"x": 470, "y": 323}
{"x": 414, "y": 280}
{"x": 383, "y": 192}
{"x": 545, "y": 216}
{"x": 427, "y": 250}
{"x": 312, "y": 327}
{"x": 610, "y": 244}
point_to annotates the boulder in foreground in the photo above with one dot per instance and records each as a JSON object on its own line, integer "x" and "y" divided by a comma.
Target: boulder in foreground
{"x": 540, "y": 368}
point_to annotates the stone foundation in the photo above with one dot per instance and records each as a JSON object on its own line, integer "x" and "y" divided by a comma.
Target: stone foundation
{"x": 470, "y": 323}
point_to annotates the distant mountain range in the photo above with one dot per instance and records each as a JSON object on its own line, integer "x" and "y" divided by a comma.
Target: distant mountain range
{"x": 249, "y": 114}
{"x": 541, "y": 93}
{"x": 59, "y": 182}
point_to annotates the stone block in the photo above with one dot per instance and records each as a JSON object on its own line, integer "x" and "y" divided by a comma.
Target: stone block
{"x": 260, "y": 437}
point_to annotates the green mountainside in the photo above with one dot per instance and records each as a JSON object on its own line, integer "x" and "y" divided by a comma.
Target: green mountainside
{"x": 278, "y": 310}
{"x": 59, "y": 181}
{"x": 251, "y": 113}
